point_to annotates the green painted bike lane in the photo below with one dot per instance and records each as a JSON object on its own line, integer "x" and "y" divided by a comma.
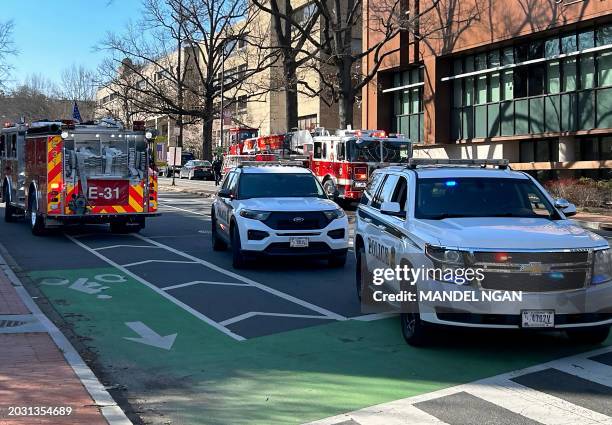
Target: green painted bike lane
{"x": 286, "y": 378}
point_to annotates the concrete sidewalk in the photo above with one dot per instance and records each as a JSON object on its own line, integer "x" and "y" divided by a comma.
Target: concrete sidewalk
{"x": 39, "y": 381}
{"x": 594, "y": 221}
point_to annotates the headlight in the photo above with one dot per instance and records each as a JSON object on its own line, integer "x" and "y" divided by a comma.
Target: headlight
{"x": 255, "y": 215}
{"x": 448, "y": 257}
{"x": 602, "y": 266}
{"x": 334, "y": 214}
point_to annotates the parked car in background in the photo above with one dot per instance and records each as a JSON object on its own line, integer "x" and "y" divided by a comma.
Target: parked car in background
{"x": 197, "y": 169}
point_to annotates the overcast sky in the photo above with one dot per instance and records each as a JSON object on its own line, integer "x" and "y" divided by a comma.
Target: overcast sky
{"x": 52, "y": 34}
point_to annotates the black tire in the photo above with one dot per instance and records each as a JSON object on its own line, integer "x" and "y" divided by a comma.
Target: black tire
{"x": 591, "y": 336}
{"x": 414, "y": 330}
{"x": 337, "y": 261}
{"x": 330, "y": 189}
{"x": 238, "y": 261}
{"x": 9, "y": 210}
{"x": 37, "y": 223}
{"x": 362, "y": 277}
{"x": 217, "y": 243}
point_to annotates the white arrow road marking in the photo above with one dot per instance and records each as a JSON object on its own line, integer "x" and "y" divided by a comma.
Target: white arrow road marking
{"x": 149, "y": 337}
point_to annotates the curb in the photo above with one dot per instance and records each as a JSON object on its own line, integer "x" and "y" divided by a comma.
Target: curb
{"x": 108, "y": 407}
{"x": 594, "y": 225}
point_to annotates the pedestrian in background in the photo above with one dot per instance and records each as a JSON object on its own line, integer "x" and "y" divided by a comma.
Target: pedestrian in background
{"x": 216, "y": 165}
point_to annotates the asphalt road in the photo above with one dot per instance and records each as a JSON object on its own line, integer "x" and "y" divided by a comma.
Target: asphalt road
{"x": 183, "y": 338}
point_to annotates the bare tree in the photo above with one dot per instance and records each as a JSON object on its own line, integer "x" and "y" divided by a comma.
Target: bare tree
{"x": 7, "y": 49}
{"x": 291, "y": 37}
{"x": 209, "y": 33}
{"x": 78, "y": 83}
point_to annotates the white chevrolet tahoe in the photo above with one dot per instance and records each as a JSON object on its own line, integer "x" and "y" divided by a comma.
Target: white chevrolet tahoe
{"x": 277, "y": 211}
{"x": 531, "y": 266}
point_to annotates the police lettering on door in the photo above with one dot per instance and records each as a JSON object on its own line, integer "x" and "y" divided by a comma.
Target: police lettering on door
{"x": 381, "y": 252}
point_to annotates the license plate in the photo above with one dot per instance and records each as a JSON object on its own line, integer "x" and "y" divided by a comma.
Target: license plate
{"x": 538, "y": 318}
{"x": 298, "y": 242}
{"x": 360, "y": 184}
{"x": 108, "y": 192}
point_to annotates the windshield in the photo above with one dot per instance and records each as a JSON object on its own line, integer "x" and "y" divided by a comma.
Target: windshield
{"x": 481, "y": 197}
{"x": 105, "y": 155}
{"x": 201, "y": 164}
{"x": 279, "y": 185}
{"x": 369, "y": 151}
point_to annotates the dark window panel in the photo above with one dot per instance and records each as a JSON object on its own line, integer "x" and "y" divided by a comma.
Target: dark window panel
{"x": 536, "y": 115}
{"x": 536, "y": 50}
{"x": 568, "y": 43}
{"x": 551, "y": 47}
{"x": 552, "y": 108}
{"x": 586, "y": 40}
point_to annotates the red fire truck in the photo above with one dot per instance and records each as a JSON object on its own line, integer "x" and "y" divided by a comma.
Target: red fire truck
{"x": 343, "y": 162}
{"x": 58, "y": 172}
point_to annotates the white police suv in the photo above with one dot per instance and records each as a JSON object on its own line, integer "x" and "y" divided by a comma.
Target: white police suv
{"x": 461, "y": 243}
{"x": 277, "y": 211}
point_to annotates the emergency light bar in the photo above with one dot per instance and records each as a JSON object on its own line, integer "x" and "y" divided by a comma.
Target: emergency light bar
{"x": 500, "y": 163}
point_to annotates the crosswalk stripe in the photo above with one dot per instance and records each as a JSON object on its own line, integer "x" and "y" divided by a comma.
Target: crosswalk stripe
{"x": 605, "y": 358}
{"x": 587, "y": 369}
{"x": 401, "y": 414}
{"x": 533, "y": 404}
{"x": 463, "y": 408}
{"x": 573, "y": 390}
{"x": 576, "y": 390}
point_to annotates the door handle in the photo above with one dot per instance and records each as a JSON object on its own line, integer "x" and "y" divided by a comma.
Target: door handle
{"x": 382, "y": 227}
{"x": 367, "y": 220}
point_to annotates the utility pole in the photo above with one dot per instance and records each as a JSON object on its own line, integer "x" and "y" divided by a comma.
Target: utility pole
{"x": 222, "y": 94}
{"x": 179, "y": 89}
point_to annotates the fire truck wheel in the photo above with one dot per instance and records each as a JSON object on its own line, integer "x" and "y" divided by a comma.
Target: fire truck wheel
{"x": 238, "y": 260}
{"x": 37, "y": 223}
{"x": 330, "y": 189}
{"x": 337, "y": 260}
{"x": 9, "y": 210}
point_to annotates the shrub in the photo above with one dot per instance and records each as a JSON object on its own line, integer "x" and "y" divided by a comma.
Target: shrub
{"x": 583, "y": 192}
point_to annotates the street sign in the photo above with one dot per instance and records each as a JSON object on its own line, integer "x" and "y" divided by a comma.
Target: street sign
{"x": 174, "y": 156}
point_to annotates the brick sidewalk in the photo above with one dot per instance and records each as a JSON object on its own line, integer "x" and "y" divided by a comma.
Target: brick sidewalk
{"x": 33, "y": 371}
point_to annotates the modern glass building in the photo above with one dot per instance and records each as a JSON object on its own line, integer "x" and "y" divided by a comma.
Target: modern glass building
{"x": 533, "y": 85}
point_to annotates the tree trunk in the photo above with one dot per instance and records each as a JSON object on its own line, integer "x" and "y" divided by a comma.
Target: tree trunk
{"x": 346, "y": 96}
{"x": 207, "y": 129}
{"x": 291, "y": 93}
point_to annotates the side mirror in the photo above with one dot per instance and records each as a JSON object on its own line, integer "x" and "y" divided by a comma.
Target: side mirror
{"x": 566, "y": 207}
{"x": 392, "y": 208}
{"x": 224, "y": 193}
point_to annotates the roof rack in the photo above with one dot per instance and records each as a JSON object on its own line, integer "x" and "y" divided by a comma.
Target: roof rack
{"x": 502, "y": 164}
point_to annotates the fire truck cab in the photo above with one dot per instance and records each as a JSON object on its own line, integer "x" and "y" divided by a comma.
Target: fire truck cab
{"x": 344, "y": 161}
{"x": 58, "y": 172}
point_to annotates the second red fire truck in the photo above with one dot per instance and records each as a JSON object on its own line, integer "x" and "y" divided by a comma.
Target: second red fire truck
{"x": 58, "y": 172}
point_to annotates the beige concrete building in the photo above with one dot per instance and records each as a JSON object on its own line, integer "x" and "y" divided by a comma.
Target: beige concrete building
{"x": 258, "y": 103}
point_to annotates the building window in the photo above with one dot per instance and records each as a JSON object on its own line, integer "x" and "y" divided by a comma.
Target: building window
{"x": 553, "y": 94}
{"x": 408, "y": 103}
{"x": 308, "y": 122}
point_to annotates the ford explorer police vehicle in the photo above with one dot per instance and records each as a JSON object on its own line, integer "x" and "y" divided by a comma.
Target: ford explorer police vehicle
{"x": 479, "y": 214}
{"x": 277, "y": 210}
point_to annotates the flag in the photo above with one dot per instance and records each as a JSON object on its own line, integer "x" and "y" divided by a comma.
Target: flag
{"x": 76, "y": 115}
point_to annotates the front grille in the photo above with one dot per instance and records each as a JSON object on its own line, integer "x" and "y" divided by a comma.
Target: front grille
{"x": 297, "y": 220}
{"x": 534, "y": 271}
